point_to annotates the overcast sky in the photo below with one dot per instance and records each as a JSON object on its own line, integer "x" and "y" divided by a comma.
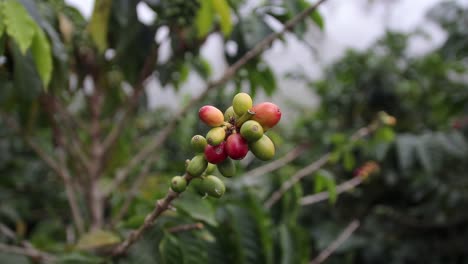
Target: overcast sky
{"x": 348, "y": 24}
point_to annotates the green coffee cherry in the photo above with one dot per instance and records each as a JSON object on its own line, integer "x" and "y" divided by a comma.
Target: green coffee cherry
{"x": 230, "y": 114}
{"x": 227, "y": 168}
{"x": 198, "y": 143}
{"x": 215, "y": 136}
{"x": 241, "y": 103}
{"x": 213, "y": 186}
{"x": 210, "y": 169}
{"x": 197, "y": 184}
{"x": 263, "y": 149}
{"x": 178, "y": 184}
{"x": 251, "y": 130}
{"x": 197, "y": 165}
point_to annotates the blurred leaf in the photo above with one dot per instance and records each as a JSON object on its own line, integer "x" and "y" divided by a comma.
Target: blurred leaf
{"x": 19, "y": 25}
{"x": 204, "y": 18}
{"x": 41, "y": 53}
{"x": 348, "y": 160}
{"x": 318, "y": 19}
{"x": 98, "y": 24}
{"x": 385, "y": 134}
{"x": 170, "y": 250}
{"x": 327, "y": 180}
{"x": 96, "y": 239}
{"x": 25, "y": 88}
{"x": 196, "y": 208}
{"x": 224, "y": 13}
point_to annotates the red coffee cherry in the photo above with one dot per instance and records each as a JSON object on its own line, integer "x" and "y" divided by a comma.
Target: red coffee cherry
{"x": 216, "y": 154}
{"x": 267, "y": 114}
{"x": 211, "y": 115}
{"x": 236, "y": 147}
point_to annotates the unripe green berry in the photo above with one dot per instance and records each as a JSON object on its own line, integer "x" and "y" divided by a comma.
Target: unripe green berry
{"x": 230, "y": 114}
{"x": 178, "y": 184}
{"x": 241, "y": 103}
{"x": 251, "y": 130}
{"x": 213, "y": 186}
{"x": 197, "y": 185}
{"x": 215, "y": 136}
{"x": 197, "y": 165}
{"x": 198, "y": 143}
{"x": 263, "y": 149}
{"x": 210, "y": 169}
{"x": 227, "y": 168}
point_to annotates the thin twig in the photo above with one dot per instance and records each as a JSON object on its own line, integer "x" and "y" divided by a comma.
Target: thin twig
{"x": 228, "y": 74}
{"x": 28, "y": 252}
{"x": 185, "y": 228}
{"x": 322, "y": 196}
{"x": 62, "y": 172}
{"x": 161, "y": 206}
{"x": 316, "y": 165}
{"x": 252, "y": 175}
{"x": 295, "y": 178}
{"x": 347, "y": 232}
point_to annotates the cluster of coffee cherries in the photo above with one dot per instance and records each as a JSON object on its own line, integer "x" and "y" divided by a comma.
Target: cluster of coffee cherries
{"x": 241, "y": 128}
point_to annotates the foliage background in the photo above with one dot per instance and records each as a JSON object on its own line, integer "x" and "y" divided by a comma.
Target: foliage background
{"x": 412, "y": 211}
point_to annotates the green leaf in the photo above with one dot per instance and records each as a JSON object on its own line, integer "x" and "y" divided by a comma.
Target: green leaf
{"x": 222, "y": 8}
{"x": 98, "y": 25}
{"x": 170, "y": 250}
{"x": 19, "y": 25}
{"x": 204, "y": 19}
{"x": 327, "y": 181}
{"x": 96, "y": 239}
{"x": 319, "y": 184}
{"x": 331, "y": 188}
{"x": 318, "y": 19}
{"x": 196, "y": 208}
{"x": 385, "y": 134}
{"x": 42, "y": 55}
{"x": 348, "y": 160}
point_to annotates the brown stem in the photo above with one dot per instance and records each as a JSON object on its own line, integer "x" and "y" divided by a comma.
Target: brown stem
{"x": 347, "y": 232}
{"x": 228, "y": 74}
{"x": 61, "y": 171}
{"x": 322, "y": 196}
{"x": 95, "y": 198}
{"x": 316, "y": 165}
{"x": 161, "y": 206}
